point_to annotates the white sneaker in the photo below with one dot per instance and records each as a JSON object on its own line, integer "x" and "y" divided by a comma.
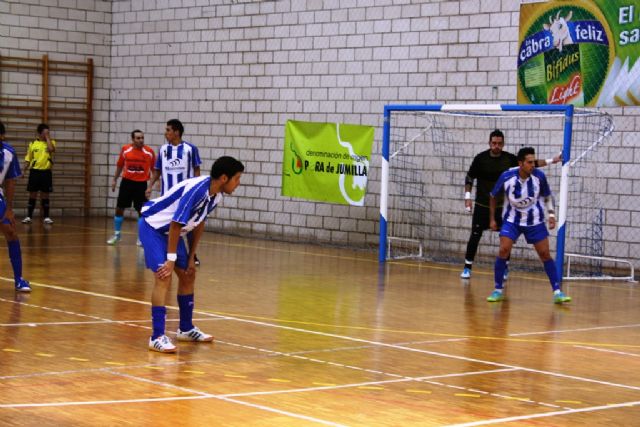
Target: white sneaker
{"x": 26, "y": 220}
{"x": 114, "y": 239}
{"x": 162, "y": 344}
{"x": 47, "y": 220}
{"x": 194, "y": 334}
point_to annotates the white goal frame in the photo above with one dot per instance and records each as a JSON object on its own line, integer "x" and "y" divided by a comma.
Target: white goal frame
{"x": 566, "y": 111}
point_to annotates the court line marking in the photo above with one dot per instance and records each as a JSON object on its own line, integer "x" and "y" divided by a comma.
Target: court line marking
{"x": 604, "y": 350}
{"x": 243, "y": 317}
{"x": 546, "y": 414}
{"x": 419, "y": 265}
{"x": 347, "y": 338}
{"x": 561, "y": 331}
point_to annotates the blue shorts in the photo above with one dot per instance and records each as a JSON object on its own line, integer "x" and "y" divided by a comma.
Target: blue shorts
{"x": 3, "y": 210}
{"x": 155, "y": 247}
{"x": 533, "y": 234}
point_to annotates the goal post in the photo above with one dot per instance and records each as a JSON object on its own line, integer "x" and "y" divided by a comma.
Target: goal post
{"x": 426, "y": 152}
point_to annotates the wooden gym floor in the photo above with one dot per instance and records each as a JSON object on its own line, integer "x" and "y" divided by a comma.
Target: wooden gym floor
{"x": 305, "y": 335}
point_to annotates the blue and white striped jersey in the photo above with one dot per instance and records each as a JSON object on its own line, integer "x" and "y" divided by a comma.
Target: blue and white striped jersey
{"x": 523, "y": 204}
{"x": 9, "y": 165}
{"x": 177, "y": 163}
{"x": 187, "y": 203}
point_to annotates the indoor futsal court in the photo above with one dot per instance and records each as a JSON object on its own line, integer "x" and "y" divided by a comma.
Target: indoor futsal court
{"x": 306, "y": 335}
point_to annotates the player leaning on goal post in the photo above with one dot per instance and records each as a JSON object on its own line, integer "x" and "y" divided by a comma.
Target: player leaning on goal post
{"x": 164, "y": 220}
{"x": 524, "y": 190}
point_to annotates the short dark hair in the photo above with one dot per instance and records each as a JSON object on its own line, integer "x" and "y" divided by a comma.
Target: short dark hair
{"x": 133, "y": 134}
{"x": 226, "y": 165}
{"x": 497, "y": 133}
{"x": 176, "y": 125}
{"x": 41, "y": 127}
{"x": 3, "y": 130}
{"x": 524, "y": 152}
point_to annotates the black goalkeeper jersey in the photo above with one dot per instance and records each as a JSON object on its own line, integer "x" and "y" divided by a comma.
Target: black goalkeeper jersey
{"x": 486, "y": 170}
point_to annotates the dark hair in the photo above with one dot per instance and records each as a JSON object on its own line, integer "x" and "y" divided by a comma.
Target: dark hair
{"x": 176, "y": 125}
{"x": 3, "y": 130}
{"x": 497, "y": 133}
{"x": 133, "y": 134}
{"x": 41, "y": 127}
{"x": 524, "y": 152}
{"x": 226, "y": 165}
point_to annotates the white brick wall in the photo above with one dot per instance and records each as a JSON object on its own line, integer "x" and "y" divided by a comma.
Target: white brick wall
{"x": 235, "y": 70}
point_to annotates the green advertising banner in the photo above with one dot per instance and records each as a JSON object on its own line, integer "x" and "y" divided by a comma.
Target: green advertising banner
{"x": 580, "y": 52}
{"x": 328, "y": 162}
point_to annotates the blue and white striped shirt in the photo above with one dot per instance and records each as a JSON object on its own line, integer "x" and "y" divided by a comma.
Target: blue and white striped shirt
{"x": 187, "y": 203}
{"x": 523, "y": 204}
{"x": 177, "y": 163}
{"x": 9, "y": 165}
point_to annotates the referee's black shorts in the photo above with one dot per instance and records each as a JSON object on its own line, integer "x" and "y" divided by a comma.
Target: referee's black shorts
{"x": 132, "y": 192}
{"x": 40, "y": 180}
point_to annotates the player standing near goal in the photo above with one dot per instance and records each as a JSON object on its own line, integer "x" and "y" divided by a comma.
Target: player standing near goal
{"x": 164, "y": 220}
{"x": 486, "y": 168}
{"x": 524, "y": 189}
{"x": 39, "y": 160}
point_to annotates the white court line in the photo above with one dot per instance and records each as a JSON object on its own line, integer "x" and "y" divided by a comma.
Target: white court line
{"x": 344, "y": 337}
{"x": 364, "y": 384}
{"x": 97, "y": 322}
{"x": 382, "y": 344}
{"x": 604, "y": 350}
{"x": 561, "y": 331}
{"x": 546, "y": 414}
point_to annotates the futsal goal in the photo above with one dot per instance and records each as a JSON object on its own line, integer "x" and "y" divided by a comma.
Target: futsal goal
{"x": 427, "y": 150}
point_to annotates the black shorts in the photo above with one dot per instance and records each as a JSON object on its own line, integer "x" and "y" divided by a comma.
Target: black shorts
{"x": 40, "y": 180}
{"x": 132, "y": 192}
{"x": 481, "y": 217}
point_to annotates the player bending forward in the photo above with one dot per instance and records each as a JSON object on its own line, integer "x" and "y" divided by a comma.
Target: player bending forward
{"x": 523, "y": 213}
{"x": 164, "y": 220}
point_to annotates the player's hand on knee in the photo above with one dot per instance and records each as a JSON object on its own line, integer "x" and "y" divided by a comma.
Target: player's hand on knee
{"x": 166, "y": 270}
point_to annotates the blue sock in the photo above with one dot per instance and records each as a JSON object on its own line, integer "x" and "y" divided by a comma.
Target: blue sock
{"x": 158, "y": 317}
{"x": 15, "y": 255}
{"x": 550, "y": 269}
{"x": 117, "y": 223}
{"x": 498, "y": 272}
{"x": 185, "y": 302}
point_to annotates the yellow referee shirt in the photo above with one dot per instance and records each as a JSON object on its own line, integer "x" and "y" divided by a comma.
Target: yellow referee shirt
{"x": 38, "y": 156}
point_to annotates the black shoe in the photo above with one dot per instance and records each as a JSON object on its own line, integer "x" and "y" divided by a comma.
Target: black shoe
{"x": 196, "y": 260}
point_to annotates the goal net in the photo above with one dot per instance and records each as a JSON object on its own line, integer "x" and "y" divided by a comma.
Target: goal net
{"x": 427, "y": 151}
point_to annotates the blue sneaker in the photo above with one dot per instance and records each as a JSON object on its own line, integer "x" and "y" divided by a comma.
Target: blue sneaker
{"x": 22, "y": 285}
{"x": 466, "y": 273}
{"x": 560, "y": 298}
{"x": 495, "y": 296}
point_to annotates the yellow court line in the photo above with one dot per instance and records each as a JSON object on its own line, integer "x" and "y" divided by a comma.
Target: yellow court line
{"x": 326, "y": 325}
{"x": 410, "y": 390}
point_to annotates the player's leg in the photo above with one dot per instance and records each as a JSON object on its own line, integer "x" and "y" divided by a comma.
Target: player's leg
{"x": 498, "y": 218}
{"x": 124, "y": 201}
{"x": 509, "y": 234}
{"x": 479, "y": 223}
{"x": 187, "y": 331}
{"x": 189, "y": 240}
{"x": 538, "y": 236}
{"x": 44, "y": 204}
{"x": 45, "y": 190}
{"x": 155, "y": 254}
{"x": 15, "y": 253}
{"x": 139, "y": 199}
